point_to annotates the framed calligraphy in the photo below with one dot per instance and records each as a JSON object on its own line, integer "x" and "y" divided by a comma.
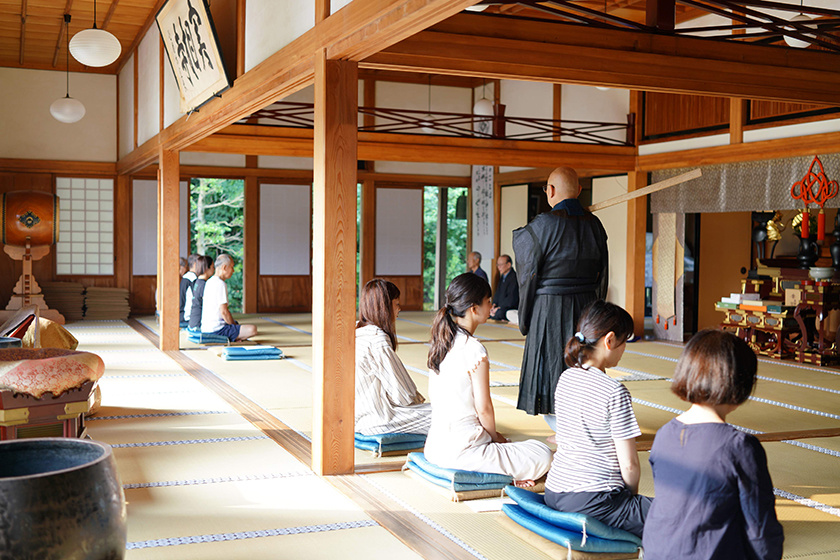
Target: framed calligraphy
{"x": 192, "y": 46}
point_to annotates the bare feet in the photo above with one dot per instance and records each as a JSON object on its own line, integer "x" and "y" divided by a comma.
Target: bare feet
{"x": 524, "y": 483}
{"x": 551, "y": 439}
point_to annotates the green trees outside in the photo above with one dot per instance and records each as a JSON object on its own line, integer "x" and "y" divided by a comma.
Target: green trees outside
{"x": 216, "y": 220}
{"x": 456, "y": 242}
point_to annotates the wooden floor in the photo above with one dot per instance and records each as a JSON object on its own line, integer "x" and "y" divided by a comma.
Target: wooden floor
{"x": 213, "y": 452}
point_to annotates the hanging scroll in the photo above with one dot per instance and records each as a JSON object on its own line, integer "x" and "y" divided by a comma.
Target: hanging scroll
{"x": 483, "y": 223}
{"x": 193, "y": 50}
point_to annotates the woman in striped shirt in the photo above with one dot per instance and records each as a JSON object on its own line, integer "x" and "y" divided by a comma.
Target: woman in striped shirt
{"x": 387, "y": 400}
{"x": 596, "y": 468}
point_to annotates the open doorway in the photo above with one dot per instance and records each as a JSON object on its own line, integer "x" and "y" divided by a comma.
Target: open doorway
{"x": 216, "y": 226}
{"x": 449, "y": 256}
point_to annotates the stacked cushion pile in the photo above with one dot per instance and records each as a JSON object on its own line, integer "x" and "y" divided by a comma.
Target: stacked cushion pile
{"x": 106, "y": 303}
{"x": 65, "y": 297}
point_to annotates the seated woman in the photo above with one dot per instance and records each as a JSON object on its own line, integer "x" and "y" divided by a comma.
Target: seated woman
{"x": 387, "y": 400}
{"x": 463, "y": 434}
{"x": 596, "y": 467}
{"x": 203, "y": 270}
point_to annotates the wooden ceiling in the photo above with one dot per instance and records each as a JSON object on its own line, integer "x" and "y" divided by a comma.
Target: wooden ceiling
{"x": 31, "y": 31}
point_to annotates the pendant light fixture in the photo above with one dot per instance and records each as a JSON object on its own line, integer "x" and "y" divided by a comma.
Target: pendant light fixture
{"x": 483, "y": 107}
{"x": 95, "y": 47}
{"x": 793, "y": 41}
{"x": 426, "y": 125}
{"x": 66, "y": 109}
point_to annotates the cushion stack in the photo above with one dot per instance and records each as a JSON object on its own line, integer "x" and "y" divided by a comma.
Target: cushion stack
{"x": 65, "y": 297}
{"x": 106, "y": 304}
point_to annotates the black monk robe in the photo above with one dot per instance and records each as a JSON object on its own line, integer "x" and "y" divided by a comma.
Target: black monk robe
{"x": 563, "y": 266}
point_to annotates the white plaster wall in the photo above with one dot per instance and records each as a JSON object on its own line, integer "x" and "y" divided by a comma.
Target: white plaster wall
{"x": 212, "y": 159}
{"x": 394, "y": 95}
{"x": 285, "y": 229}
{"x": 336, "y": 5}
{"x": 614, "y": 219}
{"x": 126, "y": 79}
{"x": 281, "y": 162}
{"x": 144, "y": 225}
{"x": 399, "y": 232}
{"x": 270, "y": 25}
{"x": 792, "y": 130}
{"x": 687, "y": 144}
{"x": 526, "y": 99}
{"x": 422, "y": 168}
{"x": 30, "y": 132}
{"x": 585, "y": 103}
{"x": 514, "y": 215}
{"x": 171, "y": 95}
{"x": 148, "y": 86}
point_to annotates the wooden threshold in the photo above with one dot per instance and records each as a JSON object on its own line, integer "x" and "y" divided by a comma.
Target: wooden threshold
{"x": 407, "y": 527}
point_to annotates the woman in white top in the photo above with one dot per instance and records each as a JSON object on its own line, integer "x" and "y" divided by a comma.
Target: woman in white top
{"x": 463, "y": 434}
{"x": 387, "y": 401}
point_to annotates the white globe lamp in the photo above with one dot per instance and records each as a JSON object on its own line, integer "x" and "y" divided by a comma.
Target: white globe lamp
{"x": 67, "y": 110}
{"x": 793, "y": 41}
{"x": 483, "y": 107}
{"x": 95, "y": 47}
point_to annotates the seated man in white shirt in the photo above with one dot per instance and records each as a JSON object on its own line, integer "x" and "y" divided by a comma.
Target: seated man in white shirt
{"x": 215, "y": 315}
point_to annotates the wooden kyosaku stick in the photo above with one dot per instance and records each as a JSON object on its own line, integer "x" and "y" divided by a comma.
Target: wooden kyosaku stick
{"x": 661, "y": 185}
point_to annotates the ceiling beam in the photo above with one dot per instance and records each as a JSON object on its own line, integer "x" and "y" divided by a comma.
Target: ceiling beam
{"x": 22, "y": 29}
{"x": 493, "y": 47}
{"x": 61, "y": 31}
{"x": 378, "y": 146}
{"x": 110, "y": 14}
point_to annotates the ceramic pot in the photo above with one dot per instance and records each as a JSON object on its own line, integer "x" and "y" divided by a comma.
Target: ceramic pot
{"x": 60, "y": 498}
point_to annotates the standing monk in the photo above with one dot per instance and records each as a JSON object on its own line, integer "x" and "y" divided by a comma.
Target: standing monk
{"x": 562, "y": 258}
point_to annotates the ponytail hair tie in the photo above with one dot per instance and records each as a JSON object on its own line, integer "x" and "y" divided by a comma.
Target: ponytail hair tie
{"x": 580, "y": 337}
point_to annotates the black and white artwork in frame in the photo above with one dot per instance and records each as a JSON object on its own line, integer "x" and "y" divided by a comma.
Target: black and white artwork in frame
{"x": 189, "y": 38}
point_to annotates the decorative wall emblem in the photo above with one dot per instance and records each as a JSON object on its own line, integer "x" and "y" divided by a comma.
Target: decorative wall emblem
{"x": 29, "y": 219}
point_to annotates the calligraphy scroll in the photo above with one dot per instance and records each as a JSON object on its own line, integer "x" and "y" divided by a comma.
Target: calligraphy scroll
{"x": 483, "y": 220}
{"x": 193, "y": 50}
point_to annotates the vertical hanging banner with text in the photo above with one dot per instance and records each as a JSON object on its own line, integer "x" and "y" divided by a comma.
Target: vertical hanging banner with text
{"x": 483, "y": 234}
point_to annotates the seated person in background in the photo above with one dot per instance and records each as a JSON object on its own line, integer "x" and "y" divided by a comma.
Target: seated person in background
{"x": 203, "y": 271}
{"x": 474, "y": 265}
{"x": 387, "y": 400}
{"x": 596, "y": 467}
{"x": 463, "y": 434}
{"x": 714, "y": 495}
{"x": 215, "y": 315}
{"x": 187, "y": 279}
{"x": 507, "y": 291}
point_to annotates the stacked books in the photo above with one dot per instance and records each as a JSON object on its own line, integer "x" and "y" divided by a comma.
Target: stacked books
{"x": 750, "y": 302}
{"x": 106, "y": 304}
{"x": 65, "y": 297}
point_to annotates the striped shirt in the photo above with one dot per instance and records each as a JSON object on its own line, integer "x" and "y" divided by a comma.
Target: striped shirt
{"x": 387, "y": 400}
{"x": 592, "y": 410}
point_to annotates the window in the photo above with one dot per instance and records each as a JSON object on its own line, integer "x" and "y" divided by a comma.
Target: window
{"x": 86, "y": 226}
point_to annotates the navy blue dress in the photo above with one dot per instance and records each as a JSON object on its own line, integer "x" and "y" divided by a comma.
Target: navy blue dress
{"x": 714, "y": 496}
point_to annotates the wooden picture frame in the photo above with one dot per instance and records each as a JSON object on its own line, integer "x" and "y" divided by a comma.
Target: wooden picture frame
{"x": 192, "y": 46}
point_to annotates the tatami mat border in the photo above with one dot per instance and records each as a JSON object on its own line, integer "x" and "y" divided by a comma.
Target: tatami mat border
{"x": 158, "y": 415}
{"x": 286, "y": 325}
{"x": 219, "y": 537}
{"x": 423, "y": 518}
{"x": 142, "y": 375}
{"x": 807, "y": 502}
{"x": 187, "y": 441}
{"x": 216, "y": 480}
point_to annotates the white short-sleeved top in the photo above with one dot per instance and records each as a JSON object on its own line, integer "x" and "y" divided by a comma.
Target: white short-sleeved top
{"x": 450, "y": 391}
{"x": 215, "y": 295}
{"x": 190, "y": 275}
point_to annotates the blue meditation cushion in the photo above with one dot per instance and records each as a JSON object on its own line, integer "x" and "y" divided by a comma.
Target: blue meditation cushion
{"x": 460, "y": 481}
{"x": 235, "y": 358}
{"x": 381, "y": 443}
{"x": 252, "y": 352}
{"x": 576, "y": 540}
{"x": 388, "y": 439}
{"x": 534, "y": 504}
{"x": 201, "y": 338}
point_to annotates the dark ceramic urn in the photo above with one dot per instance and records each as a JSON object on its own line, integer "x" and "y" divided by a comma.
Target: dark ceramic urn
{"x": 60, "y": 499}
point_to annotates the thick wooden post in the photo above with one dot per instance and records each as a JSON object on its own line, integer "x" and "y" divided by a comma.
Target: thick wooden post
{"x": 737, "y": 119}
{"x": 636, "y": 228}
{"x": 122, "y": 232}
{"x": 168, "y": 246}
{"x": 368, "y": 234}
{"x": 250, "y": 266}
{"x": 334, "y": 264}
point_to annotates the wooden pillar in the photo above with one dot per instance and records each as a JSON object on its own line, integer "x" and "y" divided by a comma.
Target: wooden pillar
{"x": 168, "y": 247}
{"x": 334, "y": 265}
{"x": 122, "y": 232}
{"x": 240, "y": 37}
{"x": 251, "y": 261}
{"x": 557, "y": 109}
{"x": 636, "y": 229}
{"x": 661, "y": 14}
{"x": 737, "y": 119}
{"x": 367, "y": 236}
{"x": 441, "y": 258}
{"x": 497, "y": 227}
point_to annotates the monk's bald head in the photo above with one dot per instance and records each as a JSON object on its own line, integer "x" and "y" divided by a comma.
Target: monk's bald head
{"x": 565, "y": 183}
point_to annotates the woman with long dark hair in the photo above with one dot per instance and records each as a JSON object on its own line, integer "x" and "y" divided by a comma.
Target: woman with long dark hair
{"x": 387, "y": 400}
{"x": 463, "y": 434}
